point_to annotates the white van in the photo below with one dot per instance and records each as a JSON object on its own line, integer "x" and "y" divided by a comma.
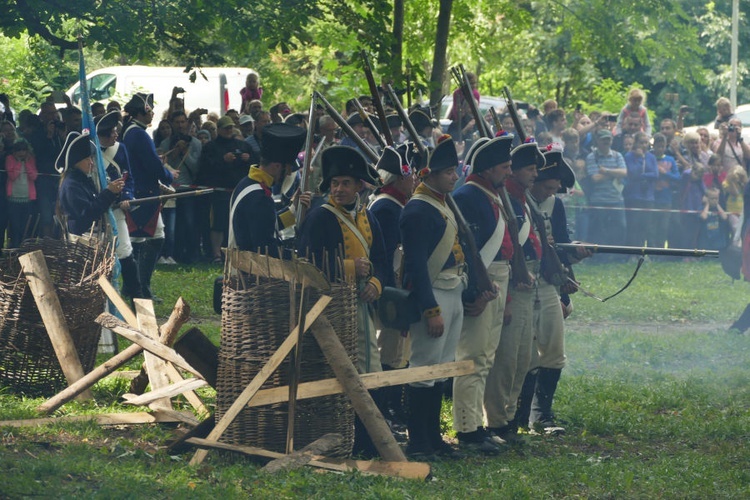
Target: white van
{"x": 216, "y": 89}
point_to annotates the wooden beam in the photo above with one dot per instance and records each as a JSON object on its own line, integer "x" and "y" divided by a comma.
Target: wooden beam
{"x": 155, "y": 366}
{"x": 114, "y": 362}
{"x": 169, "y": 391}
{"x": 269, "y": 267}
{"x": 150, "y": 345}
{"x": 332, "y": 386}
{"x": 407, "y": 470}
{"x": 273, "y": 362}
{"x": 42, "y": 288}
{"x": 102, "y": 419}
{"x": 366, "y": 409}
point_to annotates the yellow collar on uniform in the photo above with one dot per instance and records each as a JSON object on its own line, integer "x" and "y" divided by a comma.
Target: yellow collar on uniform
{"x": 261, "y": 176}
{"x": 424, "y": 189}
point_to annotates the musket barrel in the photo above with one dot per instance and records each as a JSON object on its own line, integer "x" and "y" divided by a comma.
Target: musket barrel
{"x": 182, "y": 194}
{"x": 626, "y": 250}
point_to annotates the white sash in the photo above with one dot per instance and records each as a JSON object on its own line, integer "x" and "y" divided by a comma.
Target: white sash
{"x": 493, "y": 244}
{"x": 383, "y": 196}
{"x": 443, "y": 249}
{"x": 231, "y": 243}
{"x": 349, "y": 224}
{"x": 109, "y": 155}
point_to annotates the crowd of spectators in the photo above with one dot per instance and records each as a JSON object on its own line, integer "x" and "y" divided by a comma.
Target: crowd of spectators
{"x": 637, "y": 183}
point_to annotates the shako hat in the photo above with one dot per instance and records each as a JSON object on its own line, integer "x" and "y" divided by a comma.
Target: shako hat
{"x": 493, "y": 152}
{"x": 281, "y": 143}
{"x": 526, "y": 154}
{"x": 344, "y": 160}
{"x": 556, "y": 167}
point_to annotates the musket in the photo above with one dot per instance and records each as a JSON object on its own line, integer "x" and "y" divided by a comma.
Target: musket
{"x": 483, "y": 281}
{"x": 364, "y": 148}
{"x": 305, "y": 178}
{"x": 513, "y": 111}
{"x": 408, "y": 125}
{"x": 368, "y": 123}
{"x": 626, "y": 250}
{"x": 376, "y": 100}
{"x": 518, "y": 261}
{"x": 183, "y": 194}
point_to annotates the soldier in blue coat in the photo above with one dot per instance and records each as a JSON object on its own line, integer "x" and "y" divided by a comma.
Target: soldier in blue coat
{"x": 486, "y": 214}
{"x": 117, "y": 166}
{"x": 513, "y": 354}
{"x": 254, "y": 223}
{"x": 548, "y": 354}
{"x": 144, "y": 222}
{"x": 80, "y": 200}
{"x": 434, "y": 272}
{"x": 397, "y": 169}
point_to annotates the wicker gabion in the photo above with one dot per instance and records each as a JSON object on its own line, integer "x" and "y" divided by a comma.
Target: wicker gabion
{"x": 28, "y": 364}
{"x": 255, "y": 321}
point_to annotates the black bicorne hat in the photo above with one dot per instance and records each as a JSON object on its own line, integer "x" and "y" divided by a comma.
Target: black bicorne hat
{"x": 281, "y": 142}
{"x": 343, "y": 160}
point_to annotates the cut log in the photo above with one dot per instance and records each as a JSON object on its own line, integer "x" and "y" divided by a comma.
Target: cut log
{"x": 273, "y": 362}
{"x": 407, "y": 470}
{"x": 300, "y": 458}
{"x": 42, "y": 288}
{"x": 362, "y": 402}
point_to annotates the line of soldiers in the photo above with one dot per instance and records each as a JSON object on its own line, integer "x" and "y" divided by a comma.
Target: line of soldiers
{"x": 408, "y": 238}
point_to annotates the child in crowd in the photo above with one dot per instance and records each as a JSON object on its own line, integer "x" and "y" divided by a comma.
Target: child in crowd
{"x": 714, "y": 231}
{"x": 252, "y": 90}
{"x": 20, "y": 166}
{"x": 669, "y": 175}
{"x": 732, "y": 189}
{"x": 691, "y": 201}
{"x": 634, "y": 107}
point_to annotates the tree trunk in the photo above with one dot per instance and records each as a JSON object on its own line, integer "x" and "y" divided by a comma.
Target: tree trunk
{"x": 441, "y": 47}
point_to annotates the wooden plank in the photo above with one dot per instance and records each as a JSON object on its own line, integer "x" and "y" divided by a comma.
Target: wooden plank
{"x": 101, "y": 419}
{"x": 363, "y": 404}
{"x": 155, "y": 366}
{"x": 169, "y": 391}
{"x": 118, "y": 301}
{"x": 42, "y": 288}
{"x": 269, "y": 267}
{"x": 407, "y": 470}
{"x": 273, "y": 362}
{"x": 148, "y": 344}
{"x": 189, "y": 395}
{"x": 179, "y": 416}
{"x": 330, "y": 386}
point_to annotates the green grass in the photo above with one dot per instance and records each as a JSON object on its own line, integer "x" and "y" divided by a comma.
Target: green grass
{"x": 656, "y": 397}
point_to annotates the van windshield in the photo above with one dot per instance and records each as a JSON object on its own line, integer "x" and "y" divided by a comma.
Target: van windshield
{"x": 101, "y": 87}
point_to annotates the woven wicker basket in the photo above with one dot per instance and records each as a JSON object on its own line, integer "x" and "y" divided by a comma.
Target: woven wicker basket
{"x": 255, "y": 321}
{"x": 28, "y": 363}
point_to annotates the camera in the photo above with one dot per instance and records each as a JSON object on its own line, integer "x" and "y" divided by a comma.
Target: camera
{"x": 732, "y": 128}
{"x": 686, "y": 109}
{"x": 611, "y": 118}
{"x": 532, "y": 114}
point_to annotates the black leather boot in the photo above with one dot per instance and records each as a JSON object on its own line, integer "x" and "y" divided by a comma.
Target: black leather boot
{"x": 743, "y": 322}
{"x": 523, "y": 407}
{"x": 131, "y": 281}
{"x": 419, "y": 446}
{"x": 542, "y": 416}
{"x": 148, "y": 254}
